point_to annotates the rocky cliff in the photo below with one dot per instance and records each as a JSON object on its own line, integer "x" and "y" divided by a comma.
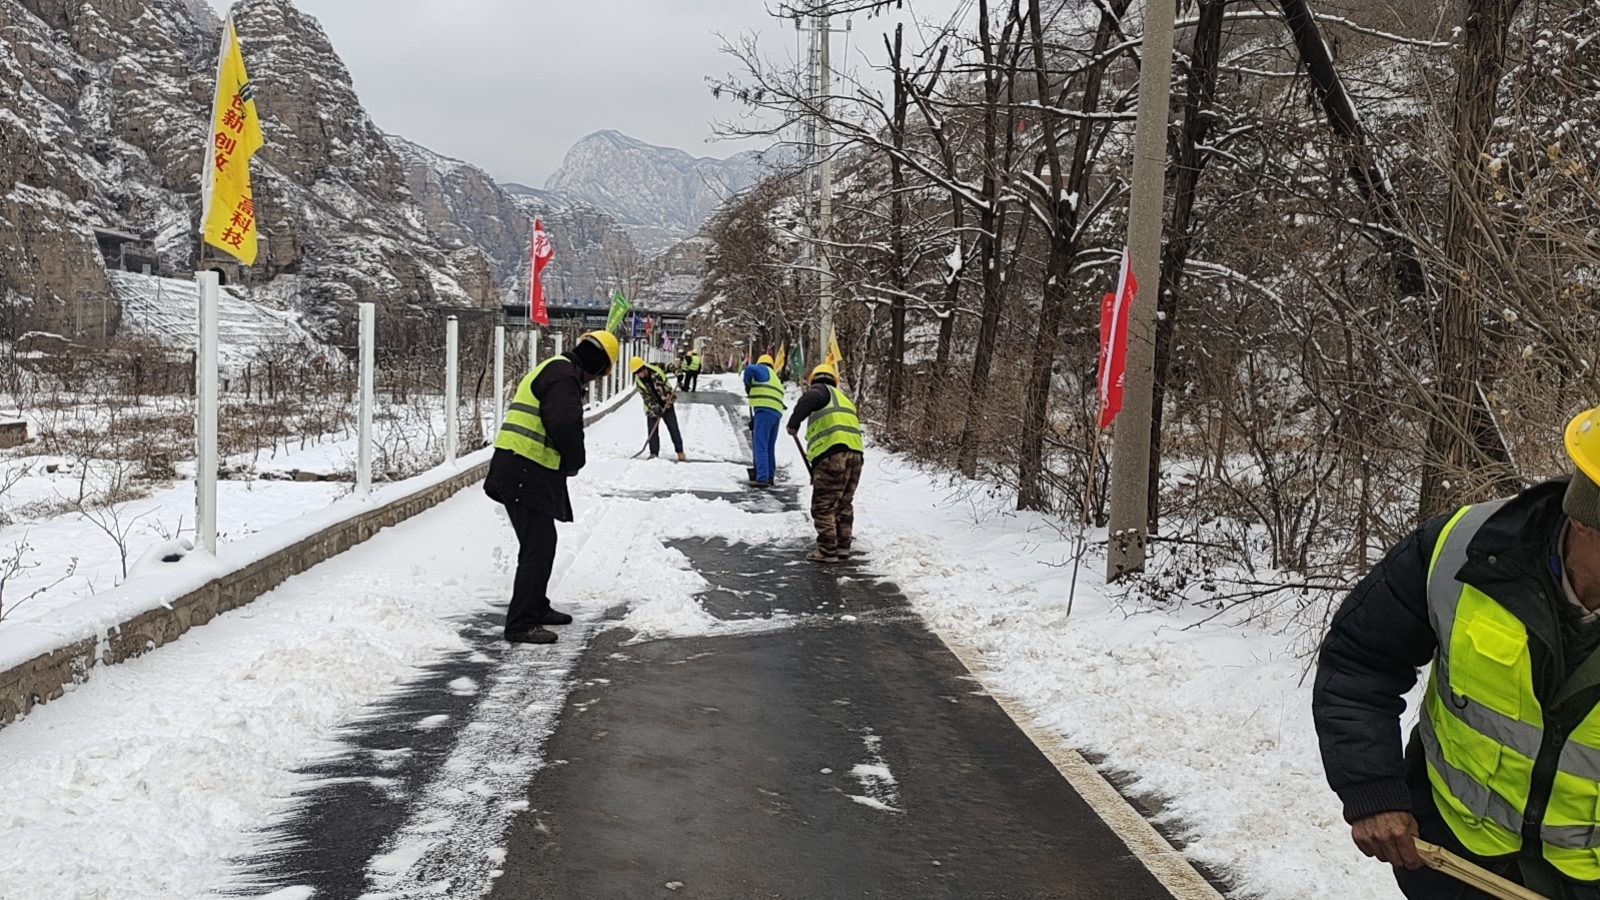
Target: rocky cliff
{"x": 104, "y": 106}
{"x": 662, "y": 194}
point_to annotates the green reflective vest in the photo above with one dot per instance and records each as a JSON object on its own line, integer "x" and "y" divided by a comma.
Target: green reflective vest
{"x": 1483, "y": 727}
{"x": 638, "y": 382}
{"x": 767, "y": 393}
{"x": 523, "y": 430}
{"x": 835, "y": 425}
{"x": 692, "y": 363}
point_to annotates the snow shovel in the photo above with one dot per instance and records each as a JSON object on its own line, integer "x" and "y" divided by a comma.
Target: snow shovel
{"x": 647, "y": 440}
{"x": 1484, "y": 880}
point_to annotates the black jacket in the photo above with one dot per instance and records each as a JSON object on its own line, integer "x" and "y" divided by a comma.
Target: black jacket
{"x": 516, "y": 479}
{"x": 1381, "y": 636}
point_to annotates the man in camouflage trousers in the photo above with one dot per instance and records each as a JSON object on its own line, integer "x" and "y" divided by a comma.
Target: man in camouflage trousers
{"x": 834, "y": 454}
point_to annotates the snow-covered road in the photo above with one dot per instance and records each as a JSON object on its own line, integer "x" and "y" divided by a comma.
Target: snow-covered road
{"x": 161, "y": 778}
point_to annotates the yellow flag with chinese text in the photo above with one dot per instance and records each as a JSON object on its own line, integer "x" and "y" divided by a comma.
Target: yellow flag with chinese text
{"x": 228, "y": 207}
{"x": 835, "y": 358}
{"x": 777, "y": 364}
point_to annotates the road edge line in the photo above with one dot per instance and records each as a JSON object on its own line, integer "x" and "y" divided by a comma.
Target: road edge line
{"x": 1165, "y": 862}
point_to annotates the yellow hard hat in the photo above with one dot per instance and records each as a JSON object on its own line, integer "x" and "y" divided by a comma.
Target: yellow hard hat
{"x": 607, "y": 342}
{"x": 765, "y": 360}
{"x": 1583, "y": 442}
{"x": 826, "y": 370}
{"x": 635, "y": 364}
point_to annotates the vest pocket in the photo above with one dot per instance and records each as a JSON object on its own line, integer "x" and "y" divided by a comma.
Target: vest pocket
{"x": 1488, "y": 665}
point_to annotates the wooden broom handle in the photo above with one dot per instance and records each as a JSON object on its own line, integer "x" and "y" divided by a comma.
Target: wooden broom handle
{"x": 1484, "y": 880}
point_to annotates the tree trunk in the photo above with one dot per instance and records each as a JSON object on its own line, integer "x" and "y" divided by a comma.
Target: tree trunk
{"x": 997, "y": 126}
{"x": 897, "y": 237}
{"x": 1191, "y": 161}
{"x": 1063, "y": 248}
{"x": 1406, "y": 269}
{"x": 1461, "y": 437}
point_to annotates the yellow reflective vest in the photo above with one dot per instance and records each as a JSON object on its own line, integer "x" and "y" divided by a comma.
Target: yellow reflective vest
{"x": 523, "y": 430}
{"x": 766, "y": 393}
{"x": 1483, "y": 728}
{"x": 835, "y": 425}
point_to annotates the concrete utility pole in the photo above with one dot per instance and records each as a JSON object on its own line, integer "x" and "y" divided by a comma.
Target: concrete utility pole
{"x": 364, "y": 426}
{"x": 451, "y": 369}
{"x": 209, "y": 286}
{"x": 819, "y": 138}
{"x": 1130, "y": 457}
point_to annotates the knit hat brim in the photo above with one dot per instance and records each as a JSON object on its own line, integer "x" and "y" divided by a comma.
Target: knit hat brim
{"x": 1582, "y": 501}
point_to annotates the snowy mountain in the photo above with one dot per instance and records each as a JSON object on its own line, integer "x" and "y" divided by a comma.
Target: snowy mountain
{"x": 662, "y": 192}
{"x": 103, "y": 108}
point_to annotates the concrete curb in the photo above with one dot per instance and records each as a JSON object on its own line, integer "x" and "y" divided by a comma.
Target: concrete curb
{"x": 48, "y": 676}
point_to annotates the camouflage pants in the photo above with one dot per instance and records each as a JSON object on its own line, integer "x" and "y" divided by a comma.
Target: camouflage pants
{"x": 833, "y": 493}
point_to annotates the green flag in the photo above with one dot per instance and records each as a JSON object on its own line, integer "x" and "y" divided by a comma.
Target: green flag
{"x": 619, "y": 311}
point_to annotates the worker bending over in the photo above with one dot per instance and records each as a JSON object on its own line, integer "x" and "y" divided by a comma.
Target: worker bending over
{"x": 834, "y": 455}
{"x": 540, "y": 446}
{"x": 658, "y": 397}
{"x": 766, "y": 411}
{"x": 1501, "y": 601}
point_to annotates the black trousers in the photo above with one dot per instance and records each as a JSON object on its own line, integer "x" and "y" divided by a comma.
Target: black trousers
{"x": 690, "y": 379}
{"x": 669, "y": 418}
{"x": 536, "y": 557}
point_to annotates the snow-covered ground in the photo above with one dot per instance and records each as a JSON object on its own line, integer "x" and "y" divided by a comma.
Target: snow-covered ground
{"x": 150, "y": 777}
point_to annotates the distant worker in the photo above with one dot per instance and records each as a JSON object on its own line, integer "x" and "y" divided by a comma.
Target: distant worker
{"x": 766, "y": 412}
{"x": 539, "y": 447}
{"x": 834, "y": 454}
{"x": 658, "y": 398}
{"x": 1501, "y": 601}
{"x": 691, "y": 370}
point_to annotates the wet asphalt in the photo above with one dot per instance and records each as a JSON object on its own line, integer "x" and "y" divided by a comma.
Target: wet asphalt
{"x": 835, "y": 749}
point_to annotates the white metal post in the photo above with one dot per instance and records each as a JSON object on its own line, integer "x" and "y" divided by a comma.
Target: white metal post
{"x": 205, "y": 426}
{"x": 560, "y": 339}
{"x": 533, "y": 349}
{"x": 500, "y": 375}
{"x": 450, "y": 418}
{"x": 364, "y": 426}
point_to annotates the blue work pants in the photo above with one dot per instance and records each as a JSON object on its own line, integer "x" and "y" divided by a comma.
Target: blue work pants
{"x": 764, "y": 442}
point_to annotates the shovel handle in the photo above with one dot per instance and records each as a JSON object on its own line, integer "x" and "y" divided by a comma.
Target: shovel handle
{"x": 1484, "y": 880}
{"x": 801, "y": 447}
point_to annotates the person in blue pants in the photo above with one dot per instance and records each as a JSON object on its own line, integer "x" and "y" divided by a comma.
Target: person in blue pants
{"x": 766, "y": 413}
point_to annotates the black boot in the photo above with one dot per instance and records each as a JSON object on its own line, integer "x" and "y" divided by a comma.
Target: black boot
{"x": 534, "y": 635}
{"x": 554, "y": 617}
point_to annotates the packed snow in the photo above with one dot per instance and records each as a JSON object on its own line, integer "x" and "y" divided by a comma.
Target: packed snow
{"x": 153, "y": 776}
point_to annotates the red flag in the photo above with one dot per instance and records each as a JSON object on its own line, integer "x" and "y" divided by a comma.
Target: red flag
{"x": 539, "y": 253}
{"x": 1114, "y": 341}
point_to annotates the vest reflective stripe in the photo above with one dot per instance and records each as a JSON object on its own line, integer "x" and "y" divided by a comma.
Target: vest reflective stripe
{"x": 767, "y": 393}
{"x": 1482, "y": 728}
{"x": 638, "y": 381}
{"x": 523, "y": 430}
{"x": 1464, "y": 792}
{"x": 692, "y": 364}
{"x": 833, "y": 426}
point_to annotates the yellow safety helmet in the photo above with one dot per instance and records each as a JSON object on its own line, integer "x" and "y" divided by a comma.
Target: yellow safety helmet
{"x": 1583, "y": 442}
{"x": 607, "y": 342}
{"x": 765, "y": 360}
{"x": 824, "y": 370}
{"x": 635, "y": 364}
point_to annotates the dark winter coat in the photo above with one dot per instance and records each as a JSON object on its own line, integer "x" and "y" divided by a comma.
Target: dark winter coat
{"x": 1381, "y": 635}
{"x": 516, "y": 479}
{"x": 814, "y": 400}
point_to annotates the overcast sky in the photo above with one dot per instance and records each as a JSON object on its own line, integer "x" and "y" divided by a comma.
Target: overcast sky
{"x": 509, "y": 85}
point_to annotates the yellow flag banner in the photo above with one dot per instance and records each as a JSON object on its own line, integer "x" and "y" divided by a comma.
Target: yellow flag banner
{"x": 835, "y": 358}
{"x": 229, "y": 207}
{"x": 777, "y": 364}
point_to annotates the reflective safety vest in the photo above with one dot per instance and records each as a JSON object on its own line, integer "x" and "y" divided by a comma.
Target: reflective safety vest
{"x": 638, "y": 381}
{"x": 835, "y": 425}
{"x": 767, "y": 393}
{"x": 691, "y": 363}
{"x": 1483, "y": 729}
{"x": 523, "y": 430}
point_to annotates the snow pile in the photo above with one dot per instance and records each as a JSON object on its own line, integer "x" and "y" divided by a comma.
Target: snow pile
{"x": 165, "y": 309}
